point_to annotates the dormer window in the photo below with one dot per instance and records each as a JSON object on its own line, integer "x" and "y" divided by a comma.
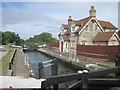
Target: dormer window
{"x": 62, "y": 30}
{"x": 73, "y": 28}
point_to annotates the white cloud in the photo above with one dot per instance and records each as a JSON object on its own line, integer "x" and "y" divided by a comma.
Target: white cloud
{"x": 34, "y": 18}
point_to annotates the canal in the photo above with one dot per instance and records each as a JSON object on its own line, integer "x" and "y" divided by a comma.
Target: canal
{"x": 63, "y": 68}
{"x": 35, "y": 57}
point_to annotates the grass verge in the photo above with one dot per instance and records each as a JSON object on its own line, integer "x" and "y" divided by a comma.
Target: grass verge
{"x": 5, "y": 61}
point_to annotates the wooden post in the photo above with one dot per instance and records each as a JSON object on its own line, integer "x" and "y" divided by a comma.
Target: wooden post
{"x": 54, "y": 71}
{"x": 118, "y": 64}
{"x": 41, "y": 70}
{"x": 85, "y": 79}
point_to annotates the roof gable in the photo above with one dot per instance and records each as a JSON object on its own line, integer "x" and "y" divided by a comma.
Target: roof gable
{"x": 86, "y": 22}
{"x": 116, "y": 35}
{"x": 82, "y": 22}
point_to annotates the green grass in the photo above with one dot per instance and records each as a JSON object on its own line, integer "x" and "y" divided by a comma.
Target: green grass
{"x": 6, "y": 59}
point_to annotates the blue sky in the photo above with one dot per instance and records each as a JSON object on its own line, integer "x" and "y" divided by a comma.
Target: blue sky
{"x": 32, "y": 18}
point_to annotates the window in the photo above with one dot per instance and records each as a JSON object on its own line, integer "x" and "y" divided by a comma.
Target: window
{"x": 83, "y": 43}
{"x": 113, "y": 43}
{"x": 96, "y": 27}
{"x": 86, "y": 29}
{"x": 66, "y": 45}
{"x": 62, "y": 30}
{"x": 72, "y": 44}
{"x": 73, "y": 28}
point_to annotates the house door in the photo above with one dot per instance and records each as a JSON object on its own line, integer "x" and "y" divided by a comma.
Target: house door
{"x": 61, "y": 46}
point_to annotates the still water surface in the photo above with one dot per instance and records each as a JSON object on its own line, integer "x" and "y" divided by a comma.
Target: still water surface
{"x": 35, "y": 57}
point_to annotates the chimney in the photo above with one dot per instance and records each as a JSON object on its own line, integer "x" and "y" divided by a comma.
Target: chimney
{"x": 92, "y": 11}
{"x": 69, "y": 20}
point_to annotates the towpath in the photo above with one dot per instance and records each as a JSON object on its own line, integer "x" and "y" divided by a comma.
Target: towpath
{"x": 20, "y": 69}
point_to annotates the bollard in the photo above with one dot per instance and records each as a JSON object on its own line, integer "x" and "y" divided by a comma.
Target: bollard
{"x": 41, "y": 70}
{"x": 118, "y": 64}
{"x": 54, "y": 71}
{"x": 84, "y": 79}
{"x": 85, "y": 73}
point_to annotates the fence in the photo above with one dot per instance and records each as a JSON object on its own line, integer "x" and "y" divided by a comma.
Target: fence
{"x": 101, "y": 52}
{"x": 51, "y": 45}
{"x": 11, "y": 63}
{"x": 12, "y": 59}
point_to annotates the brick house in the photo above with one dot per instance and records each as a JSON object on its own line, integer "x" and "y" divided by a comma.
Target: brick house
{"x": 87, "y": 31}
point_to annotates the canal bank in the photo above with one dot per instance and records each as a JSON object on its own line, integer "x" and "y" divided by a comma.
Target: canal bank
{"x": 84, "y": 63}
{"x": 20, "y": 68}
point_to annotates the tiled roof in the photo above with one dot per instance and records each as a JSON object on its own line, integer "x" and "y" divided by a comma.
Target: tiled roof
{"x": 106, "y": 24}
{"x": 65, "y": 26}
{"x": 65, "y": 37}
{"x": 83, "y": 22}
{"x": 68, "y": 32}
{"x": 104, "y": 36}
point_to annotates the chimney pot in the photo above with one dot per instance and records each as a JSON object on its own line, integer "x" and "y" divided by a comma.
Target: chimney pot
{"x": 70, "y": 17}
{"x": 92, "y": 7}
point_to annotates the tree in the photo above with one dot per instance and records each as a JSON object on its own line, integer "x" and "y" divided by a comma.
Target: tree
{"x": 10, "y": 37}
{"x": 40, "y": 39}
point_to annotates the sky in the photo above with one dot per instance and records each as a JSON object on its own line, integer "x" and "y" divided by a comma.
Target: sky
{"x": 32, "y": 18}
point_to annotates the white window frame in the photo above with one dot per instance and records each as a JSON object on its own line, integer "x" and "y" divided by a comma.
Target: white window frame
{"x": 62, "y": 30}
{"x": 83, "y": 43}
{"x": 73, "y": 28}
{"x": 73, "y": 44}
{"x": 96, "y": 27}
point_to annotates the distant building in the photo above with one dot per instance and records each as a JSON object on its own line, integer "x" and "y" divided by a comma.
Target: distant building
{"x": 87, "y": 31}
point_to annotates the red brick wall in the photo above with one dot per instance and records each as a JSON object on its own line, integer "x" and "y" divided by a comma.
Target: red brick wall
{"x": 102, "y": 52}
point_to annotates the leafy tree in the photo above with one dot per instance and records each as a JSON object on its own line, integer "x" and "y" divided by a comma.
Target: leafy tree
{"x": 10, "y": 37}
{"x": 40, "y": 39}
{"x": 0, "y": 38}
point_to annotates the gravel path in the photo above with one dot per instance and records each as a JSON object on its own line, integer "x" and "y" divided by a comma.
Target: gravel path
{"x": 20, "y": 69}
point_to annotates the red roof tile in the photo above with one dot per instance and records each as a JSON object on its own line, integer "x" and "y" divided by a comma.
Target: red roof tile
{"x": 68, "y": 32}
{"x": 104, "y": 36}
{"x": 65, "y": 26}
{"x": 106, "y": 24}
{"x": 65, "y": 37}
